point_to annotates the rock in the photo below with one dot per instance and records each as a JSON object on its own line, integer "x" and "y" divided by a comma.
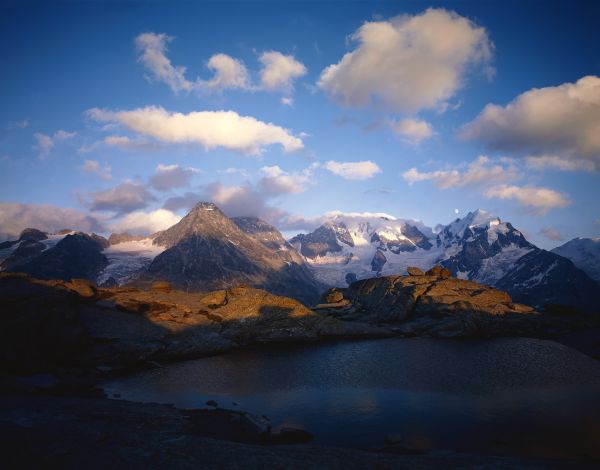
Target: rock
{"x": 103, "y": 242}
{"x": 439, "y": 272}
{"x": 162, "y": 286}
{"x": 32, "y": 235}
{"x": 434, "y": 305}
{"x": 412, "y": 271}
{"x": 333, "y": 295}
{"x": 350, "y": 278}
{"x": 378, "y": 261}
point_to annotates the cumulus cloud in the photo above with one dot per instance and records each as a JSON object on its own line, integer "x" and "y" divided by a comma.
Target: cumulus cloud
{"x": 121, "y": 199}
{"x": 210, "y": 129}
{"x": 538, "y": 200}
{"x": 279, "y": 71}
{"x": 93, "y": 166}
{"x": 563, "y": 121}
{"x": 551, "y": 234}
{"x": 275, "y": 181}
{"x": 145, "y": 223}
{"x": 353, "y": 170}
{"x": 479, "y": 172}
{"x": 15, "y": 217}
{"x": 408, "y": 63}
{"x": 169, "y": 177}
{"x": 412, "y": 131}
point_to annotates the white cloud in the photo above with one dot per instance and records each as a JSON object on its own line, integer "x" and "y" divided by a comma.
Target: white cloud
{"x": 235, "y": 171}
{"x": 554, "y": 162}
{"x": 479, "y": 172}
{"x": 227, "y": 71}
{"x": 562, "y": 120}
{"x": 64, "y": 135}
{"x": 153, "y": 48}
{"x": 286, "y": 101}
{"x": 123, "y": 198}
{"x": 408, "y": 63}
{"x": 211, "y": 129}
{"x": 275, "y": 181}
{"x": 413, "y": 131}
{"x": 93, "y": 166}
{"x": 146, "y": 223}
{"x": 45, "y": 143}
{"x": 552, "y": 234}
{"x": 169, "y": 177}
{"x": 120, "y": 141}
{"x": 15, "y": 217}
{"x": 353, "y": 170}
{"x": 538, "y": 200}
{"x": 279, "y": 71}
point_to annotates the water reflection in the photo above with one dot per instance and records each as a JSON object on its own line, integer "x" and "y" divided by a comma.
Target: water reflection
{"x": 513, "y": 396}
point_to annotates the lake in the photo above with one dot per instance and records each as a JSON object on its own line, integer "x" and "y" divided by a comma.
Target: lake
{"x": 512, "y": 396}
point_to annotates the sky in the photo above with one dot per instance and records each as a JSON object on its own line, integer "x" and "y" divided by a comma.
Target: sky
{"x": 122, "y": 115}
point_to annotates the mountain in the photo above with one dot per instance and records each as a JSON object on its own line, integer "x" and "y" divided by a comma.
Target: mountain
{"x": 76, "y": 255}
{"x": 544, "y": 279}
{"x": 584, "y": 253}
{"x": 478, "y": 247}
{"x": 359, "y": 246}
{"x": 208, "y": 251}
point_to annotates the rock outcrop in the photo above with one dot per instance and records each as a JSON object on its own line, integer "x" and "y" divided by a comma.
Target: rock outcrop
{"x": 431, "y": 303}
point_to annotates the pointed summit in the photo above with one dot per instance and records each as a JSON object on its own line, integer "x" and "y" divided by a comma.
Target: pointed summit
{"x": 205, "y": 220}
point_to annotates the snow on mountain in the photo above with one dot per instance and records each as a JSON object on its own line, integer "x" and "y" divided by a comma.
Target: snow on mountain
{"x": 361, "y": 245}
{"x": 479, "y": 247}
{"x": 128, "y": 259}
{"x": 584, "y": 253}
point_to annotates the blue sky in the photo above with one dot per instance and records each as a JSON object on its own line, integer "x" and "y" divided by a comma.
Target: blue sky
{"x": 309, "y": 107}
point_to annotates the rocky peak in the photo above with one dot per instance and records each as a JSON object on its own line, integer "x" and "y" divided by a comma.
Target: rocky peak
{"x": 205, "y": 220}
{"x": 32, "y": 235}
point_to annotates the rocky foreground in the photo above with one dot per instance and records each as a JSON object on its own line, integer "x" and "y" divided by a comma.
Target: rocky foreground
{"x": 53, "y": 324}
{"x": 59, "y": 338}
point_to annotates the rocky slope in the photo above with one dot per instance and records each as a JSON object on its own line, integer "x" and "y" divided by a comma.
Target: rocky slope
{"x": 207, "y": 251}
{"x": 584, "y": 253}
{"x": 77, "y": 255}
{"x": 50, "y": 324}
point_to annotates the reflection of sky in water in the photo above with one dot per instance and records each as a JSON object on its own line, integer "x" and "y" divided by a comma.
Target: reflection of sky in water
{"x": 509, "y": 395}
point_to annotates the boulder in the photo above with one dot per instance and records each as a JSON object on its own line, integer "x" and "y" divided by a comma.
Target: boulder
{"x": 412, "y": 271}
{"x": 333, "y": 296}
{"x": 438, "y": 271}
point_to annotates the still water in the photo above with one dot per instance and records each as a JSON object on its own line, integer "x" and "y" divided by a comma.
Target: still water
{"x": 511, "y": 396}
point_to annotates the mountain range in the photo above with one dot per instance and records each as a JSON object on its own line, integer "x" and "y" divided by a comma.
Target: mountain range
{"x": 207, "y": 250}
